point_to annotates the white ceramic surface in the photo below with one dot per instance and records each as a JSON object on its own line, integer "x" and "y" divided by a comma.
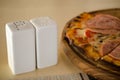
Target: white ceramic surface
{"x": 46, "y": 41}
{"x": 20, "y": 37}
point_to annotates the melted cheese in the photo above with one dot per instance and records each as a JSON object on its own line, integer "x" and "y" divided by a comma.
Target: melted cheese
{"x": 75, "y": 31}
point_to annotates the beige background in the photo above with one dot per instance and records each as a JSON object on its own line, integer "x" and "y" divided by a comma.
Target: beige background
{"x": 61, "y": 11}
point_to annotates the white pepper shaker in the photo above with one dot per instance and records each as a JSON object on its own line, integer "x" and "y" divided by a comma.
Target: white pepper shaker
{"x": 46, "y": 41}
{"x": 20, "y": 36}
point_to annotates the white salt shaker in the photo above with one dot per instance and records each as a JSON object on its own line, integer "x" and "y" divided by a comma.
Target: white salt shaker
{"x": 46, "y": 41}
{"x": 20, "y": 36}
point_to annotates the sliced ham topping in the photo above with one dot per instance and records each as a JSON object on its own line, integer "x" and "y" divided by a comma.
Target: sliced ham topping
{"x": 104, "y": 21}
{"x": 115, "y": 53}
{"x": 104, "y": 31}
{"x": 108, "y": 46}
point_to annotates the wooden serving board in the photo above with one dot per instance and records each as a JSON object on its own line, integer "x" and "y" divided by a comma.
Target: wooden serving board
{"x": 87, "y": 67}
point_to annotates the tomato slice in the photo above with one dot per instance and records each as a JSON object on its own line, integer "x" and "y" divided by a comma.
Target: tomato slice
{"x": 89, "y": 33}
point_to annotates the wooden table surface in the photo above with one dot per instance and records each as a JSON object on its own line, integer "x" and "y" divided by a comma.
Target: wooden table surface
{"x": 59, "y": 10}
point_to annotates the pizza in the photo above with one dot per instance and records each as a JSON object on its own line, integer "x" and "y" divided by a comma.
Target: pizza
{"x": 98, "y": 35}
